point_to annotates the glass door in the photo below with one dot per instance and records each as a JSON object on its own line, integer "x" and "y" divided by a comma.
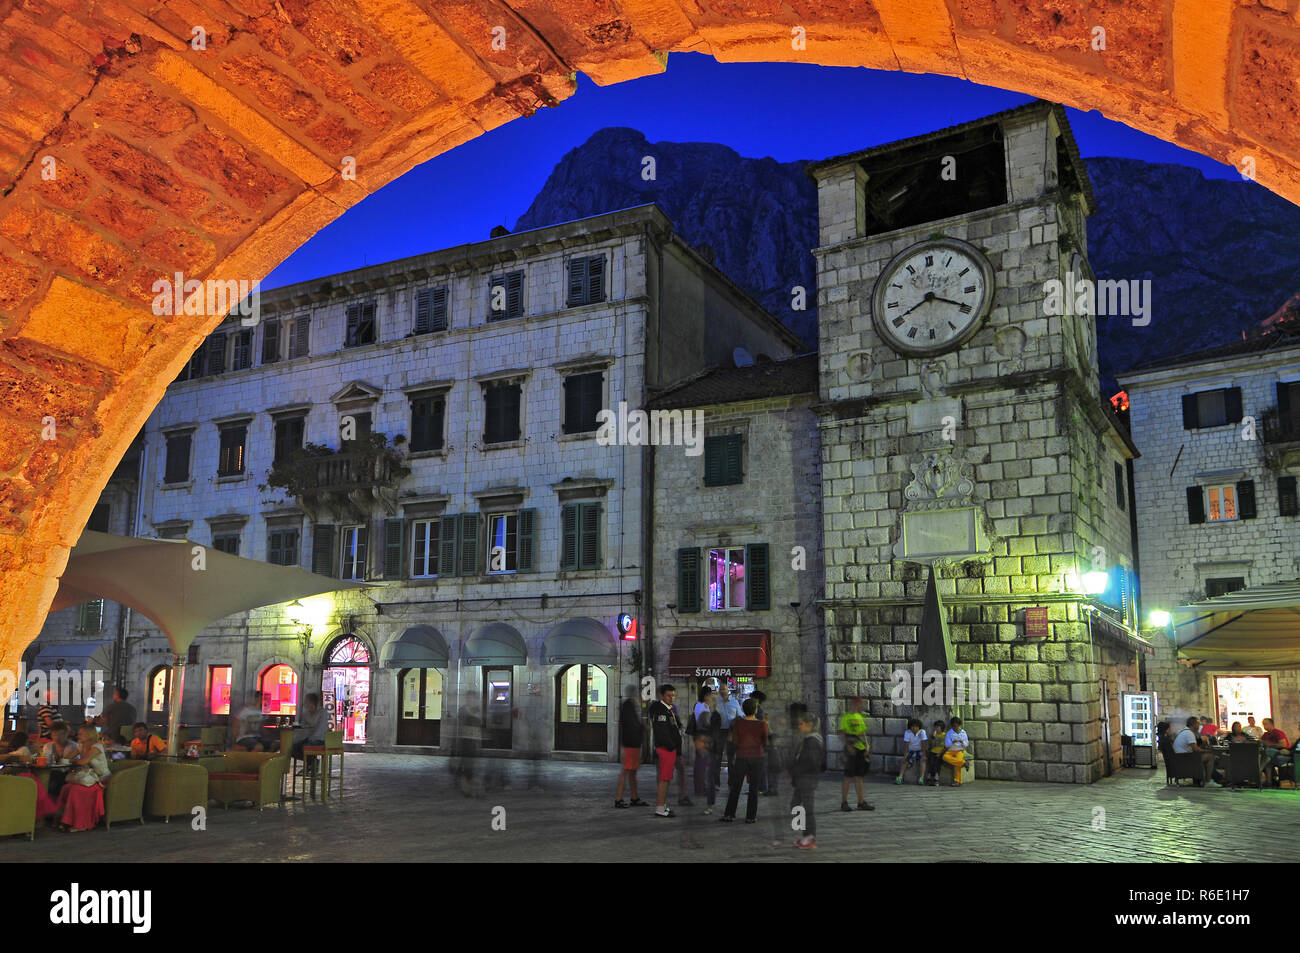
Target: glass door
{"x": 498, "y": 700}
{"x": 582, "y": 709}
{"x": 420, "y": 712}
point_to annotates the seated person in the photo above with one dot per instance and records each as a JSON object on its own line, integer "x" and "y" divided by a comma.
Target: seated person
{"x": 1237, "y": 735}
{"x": 313, "y": 722}
{"x": 81, "y": 802}
{"x": 247, "y": 727}
{"x": 1277, "y": 749}
{"x": 1187, "y": 742}
{"x": 1208, "y": 728}
{"x": 18, "y": 752}
{"x": 956, "y": 744}
{"x": 1252, "y": 729}
{"x": 144, "y": 744}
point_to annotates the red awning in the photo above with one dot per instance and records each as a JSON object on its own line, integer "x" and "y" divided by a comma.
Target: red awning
{"x": 721, "y": 654}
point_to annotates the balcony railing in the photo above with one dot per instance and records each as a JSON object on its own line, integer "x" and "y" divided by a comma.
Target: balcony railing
{"x": 344, "y": 472}
{"x": 1281, "y": 428}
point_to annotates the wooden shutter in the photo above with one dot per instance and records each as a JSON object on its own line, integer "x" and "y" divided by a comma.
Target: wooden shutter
{"x": 424, "y": 311}
{"x": 1195, "y": 505}
{"x": 510, "y": 411}
{"x": 589, "y": 536}
{"x": 595, "y": 279}
{"x": 758, "y": 576}
{"x": 578, "y": 281}
{"x": 243, "y": 351}
{"x": 568, "y": 537}
{"x": 217, "y": 354}
{"x": 515, "y": 293}
{"x": 1232, "y": 404}
{"x": 1287, "y": 504}
{"x": 393, "y": 548}
{"x": 448, "y": 546}
{"x": 1246, "y": 499}
{"x": 439, "y": 315}
{"x": 714, "y": 452}
{"x": 688, "y": 580}
{"x": 732, "y": 461}
{"x": 322, "y": 549}
{"x": 270, "y": 342}
{"x": 572, "y": 405}
{"x": 275, "y": 548}
{"x": 1191, "y": 418}
{"x": 301, "y": 336}
{"x": 526, "y": 551}
{"x": 469, "y": 544}
{"x": 1283, "y": 401}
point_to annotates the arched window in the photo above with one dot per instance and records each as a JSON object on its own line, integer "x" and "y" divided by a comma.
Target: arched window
{"x": 279, "y": 685}
{"x": 345, "y": 688}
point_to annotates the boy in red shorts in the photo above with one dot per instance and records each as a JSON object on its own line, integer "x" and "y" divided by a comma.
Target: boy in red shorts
{"x": 631, "y": 734}
{"x": 668, "y": 744}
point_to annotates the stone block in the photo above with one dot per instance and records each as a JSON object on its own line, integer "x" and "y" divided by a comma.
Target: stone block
{"x": 1002, "y": 730}
{"x": 1075, "y": 754}
{"x": 1029, "y": 731}
{"x": 1057, "y": 732}
{"x": 1061, "y": 773}
{"x": 1028, "y": 771}
{"x": 1043, "y": 711}
{"x": 1045, "y": 751}
{"x": 1002, "y": 770}
{"x": 1015, "y": 711}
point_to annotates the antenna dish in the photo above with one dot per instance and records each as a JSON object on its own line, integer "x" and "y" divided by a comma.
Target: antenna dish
{"x": 742, "y": 357}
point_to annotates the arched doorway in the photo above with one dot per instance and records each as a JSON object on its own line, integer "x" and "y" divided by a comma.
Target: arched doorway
{"x": 581, "y": 708}
{"x": 279, "y": 687}
{"x": 345, "y": 687}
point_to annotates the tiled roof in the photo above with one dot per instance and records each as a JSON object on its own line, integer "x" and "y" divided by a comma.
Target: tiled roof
{"x": 1277, "y": 337}
{"x": 730, "y": 385}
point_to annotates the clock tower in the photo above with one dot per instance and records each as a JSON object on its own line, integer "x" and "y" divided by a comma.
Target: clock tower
{"x": 963, "y": 434}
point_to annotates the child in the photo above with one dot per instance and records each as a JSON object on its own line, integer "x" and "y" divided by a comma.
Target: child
{"x": 956, "y": 743}
{"x": 805, "y": 770}
{"x": 914, "y": 738}
{"x": 934, "y": 757}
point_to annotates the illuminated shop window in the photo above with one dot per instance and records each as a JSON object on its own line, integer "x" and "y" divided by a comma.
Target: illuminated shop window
{"x": 279, "y": 691}
{"x": 219, "y": 689}
{"x": 159, "y": 683}
{"x": 727, "y": 578}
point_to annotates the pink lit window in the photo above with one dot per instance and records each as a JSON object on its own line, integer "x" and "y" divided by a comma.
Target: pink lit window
{"x": 219, "y": 689}
{"x": 727, "y": 578}
{"x": 279, "y": 691}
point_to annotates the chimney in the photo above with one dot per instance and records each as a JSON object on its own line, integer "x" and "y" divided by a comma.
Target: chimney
{"x": 499, "y": 230}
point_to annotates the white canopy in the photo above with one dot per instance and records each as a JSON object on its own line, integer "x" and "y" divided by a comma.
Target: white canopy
{"x": 1255, "y": 628}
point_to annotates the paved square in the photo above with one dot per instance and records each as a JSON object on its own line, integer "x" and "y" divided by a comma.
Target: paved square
{"x": 404, "y": 808}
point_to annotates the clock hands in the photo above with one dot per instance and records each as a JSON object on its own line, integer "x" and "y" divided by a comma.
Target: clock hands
{"x": 929, "y": 296}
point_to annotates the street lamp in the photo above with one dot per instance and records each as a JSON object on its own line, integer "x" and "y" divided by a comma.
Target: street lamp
{"x": 1159, "y": 618}
{"x": 1095, "y": 582}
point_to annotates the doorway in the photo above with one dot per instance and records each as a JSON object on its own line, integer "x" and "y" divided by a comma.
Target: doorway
{"x": 581, "y": 709}
{"x": 419, "y": 718}
{"x": 345, "y": 688}
{"x": 498, "y": 702}
{"x": 1108, "y": 757}
{"x": 1241, "y": 697}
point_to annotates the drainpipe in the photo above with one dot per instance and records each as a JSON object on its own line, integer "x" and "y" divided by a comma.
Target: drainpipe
{"x": 124, "y": 617}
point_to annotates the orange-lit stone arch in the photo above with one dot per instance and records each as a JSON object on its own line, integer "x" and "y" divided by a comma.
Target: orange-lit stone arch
{"x": 219, "y": 162}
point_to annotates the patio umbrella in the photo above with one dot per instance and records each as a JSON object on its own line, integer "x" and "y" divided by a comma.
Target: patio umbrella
{"x": 181, "y": 586}
{"x": 1255, "y": 628}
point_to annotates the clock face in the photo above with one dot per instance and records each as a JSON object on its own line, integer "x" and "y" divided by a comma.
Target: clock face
{"x": 933, "y": 296}
{"x": 1079, "y": 271}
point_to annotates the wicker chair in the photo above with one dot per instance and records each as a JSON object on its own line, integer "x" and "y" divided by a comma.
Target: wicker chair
{"x": 124, "y": 792}
{"x": 17, "y": 806}
{"x": 175, "y": 789}
{"x": 254, "y": 776}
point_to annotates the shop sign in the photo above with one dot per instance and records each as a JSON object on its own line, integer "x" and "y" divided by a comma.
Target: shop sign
{"x": 1036, "y": 622}
{"x": 712, "y": 672}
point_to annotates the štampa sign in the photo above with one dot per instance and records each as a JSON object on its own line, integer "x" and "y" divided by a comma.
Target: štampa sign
{"x": 713, "y": 673}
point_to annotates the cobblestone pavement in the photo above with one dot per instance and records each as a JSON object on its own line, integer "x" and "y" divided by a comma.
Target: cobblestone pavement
{"x": 404, "y": 808}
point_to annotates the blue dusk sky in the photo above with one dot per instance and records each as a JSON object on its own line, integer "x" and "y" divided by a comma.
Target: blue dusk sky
{"x": 785, "y": 111}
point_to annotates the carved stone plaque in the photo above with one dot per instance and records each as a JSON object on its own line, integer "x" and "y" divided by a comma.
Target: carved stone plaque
{"x": 941, "y": 534}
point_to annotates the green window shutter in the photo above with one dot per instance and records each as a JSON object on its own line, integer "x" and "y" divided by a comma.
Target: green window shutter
{"x": 393, "y": 549}
{"x": 270, "y": 342}
{"x": 595, "y": 279}
{"x": 469, "y": 561}
{"x": 577, "y": 281}
{"x": 1286, "y": 496}
{"x": 526, "y": 545}
{"x": 688, "y": 580}
{"x": 568, "y": 537}
{"x": 733, "y": 471}
{"x": 448, "y": 548}
{"x": 714, "y": 448}
{"x": 322, "y": 549}
{"x": 1195, "y": 505}
{"x": 758, "y": 577}
{"x": 589, "y": 536}
{"x": 424, "y": 311}
{"x": 1246, "y": 499}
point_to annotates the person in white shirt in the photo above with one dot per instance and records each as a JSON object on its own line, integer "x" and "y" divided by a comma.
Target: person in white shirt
{"x": 313, "y": 722}
{"x": 81, "y": 802}
{"x": 955, "y": 744}
{"x": 728, "y": 711}
{"x": 1253, "y": 729}
{"x": 248, "y": 726}
{"x": 914, "y": 739}
{"x": 1187, "y": 742}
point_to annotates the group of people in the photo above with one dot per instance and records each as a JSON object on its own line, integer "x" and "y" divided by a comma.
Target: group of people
{"x": 1200, "y": 735}
{"x": 74, "y": 800}
{"x": 725, "y": 729}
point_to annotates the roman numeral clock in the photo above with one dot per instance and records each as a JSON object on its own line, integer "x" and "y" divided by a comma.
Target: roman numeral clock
{"x": 932, "y": 297}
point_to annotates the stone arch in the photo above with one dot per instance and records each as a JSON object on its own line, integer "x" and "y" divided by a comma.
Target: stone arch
{"x": 128, "y": 154}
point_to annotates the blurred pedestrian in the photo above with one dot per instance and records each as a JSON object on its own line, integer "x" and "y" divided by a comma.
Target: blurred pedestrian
{"x": 631, "y": 735}
{"x": 805, "y": 772}
{"x": 668, "y": 744}
{"x": 707, "y": 727}
{"x": 749, "y": 735}
{"x": 853, "y": 728}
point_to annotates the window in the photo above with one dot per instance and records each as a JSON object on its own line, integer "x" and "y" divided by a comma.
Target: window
{"x": 216, "y": 349}
{"x": 1212, "y": 408}
{"x": 160, "y": 683}
{"x": 288, "y": 437}
{"x": 360, "y": 325}
{"x": 279, "y": 685}
{"x": 234, "y": 437}
{"x": 90, "y": 616}
{"x": 1119, "y": 485}
{"x": 425, "y": 543}
{"x": 506, "y": 296}
{"x": 501, "y": 404}
{"x": 226, "y": 542}
{"x": 1223, "y": 586}
{"x": 177, "y": 469}
{"x": 583, "y": 397}
{"x": 1287, "y": 502}
{"x": 354, "y": 553}
{"x": 580, "y": 536}
{"x": 1217, "y": 504}
{"x": 282, "y": 547}
{"x": 241, "y": 349}
{"x": 722, "y": 459}
{"x": 430, "y": 310}
{"x": 586, "y": 280}
{"x": 219, "y": 689}
{"x": 726, "y": 579}
{"x": 322, "y": 549}
{"x": 428, "y": 411}
{"x": 297, "y": 334}
{"x": 503, "y": 543}
{"x": 354, "y": 426}
{"x": 270, "y": 342}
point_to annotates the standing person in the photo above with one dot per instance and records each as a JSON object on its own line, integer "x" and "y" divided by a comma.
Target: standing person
{"x": 46, "y": 716}
{"x": 119, "y": 713}
{"x": 914, "y": 739}
{"x": 955, "y": 743}
{"x": 765, "y": 779}
{"x": 683, "y": 799}
{"x": 631, "y": 734}
{"x": 805, "y": 771}
{"x": 750, "y": 738}
{"x": 853, "y": 726}
{"x": 706, "y": 733}
{"x": 668, "y": 744}
{"x": 729, "y": 711}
